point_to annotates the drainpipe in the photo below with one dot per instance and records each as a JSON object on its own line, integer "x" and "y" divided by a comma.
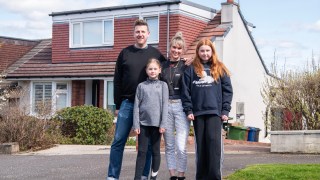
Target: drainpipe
{"x": 168, "y": 28}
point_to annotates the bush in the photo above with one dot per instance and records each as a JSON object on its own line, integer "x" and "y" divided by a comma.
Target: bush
{"x": 293, "y": 100}
{"x": 86, "y": 124}
{"x": 30, "y": 132}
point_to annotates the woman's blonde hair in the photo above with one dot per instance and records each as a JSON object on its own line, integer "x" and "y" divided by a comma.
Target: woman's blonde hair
{"x": 217, "y": 68}
{"x": 178, "y": 40}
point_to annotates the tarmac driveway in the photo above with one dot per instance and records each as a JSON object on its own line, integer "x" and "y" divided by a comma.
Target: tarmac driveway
{"x": 84, "y": 163}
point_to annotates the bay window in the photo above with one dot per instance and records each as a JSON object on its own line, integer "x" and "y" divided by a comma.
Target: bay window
{"x": 48, "y": 97}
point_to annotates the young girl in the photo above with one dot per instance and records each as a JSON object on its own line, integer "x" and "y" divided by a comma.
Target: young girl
{"x": 206, "y": 98}
{"x": 149, "y": 117}
{"x": 177, "y": 125}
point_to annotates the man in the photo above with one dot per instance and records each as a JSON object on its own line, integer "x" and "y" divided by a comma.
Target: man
{"x": 129, "y": 72}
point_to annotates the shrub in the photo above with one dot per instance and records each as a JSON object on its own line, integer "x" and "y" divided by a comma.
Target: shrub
{"x": 29, "y": 131}
{"x": 85, "y": 124}
{"x": 293, "y": 100}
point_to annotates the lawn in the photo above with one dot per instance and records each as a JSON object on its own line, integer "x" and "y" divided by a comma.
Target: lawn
{"x": 277, "y": 171}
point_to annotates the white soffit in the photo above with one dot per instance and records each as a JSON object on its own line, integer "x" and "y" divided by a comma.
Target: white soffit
{"x": 195, "y": 12}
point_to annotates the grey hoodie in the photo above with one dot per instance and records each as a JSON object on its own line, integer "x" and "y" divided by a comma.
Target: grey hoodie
{"x": 151, "y": 104}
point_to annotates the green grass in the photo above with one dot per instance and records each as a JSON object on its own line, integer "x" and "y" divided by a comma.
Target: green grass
{"x": 277, "y": 171}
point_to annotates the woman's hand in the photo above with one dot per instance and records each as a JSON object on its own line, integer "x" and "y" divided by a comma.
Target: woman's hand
{"x": 162, "y": 130}
{"x": 191, "y": 117}
{"x": 137, "y": 131}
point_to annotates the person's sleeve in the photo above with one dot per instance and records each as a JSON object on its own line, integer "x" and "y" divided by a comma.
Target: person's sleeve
{"x": 136, "y": 108}
{"x": 186, "y": 91}
{"x": 165, "y": 99}
{"x": 227, "y": 94}
{"x": 162, "y": 58}
{"x": 117, "y": 81}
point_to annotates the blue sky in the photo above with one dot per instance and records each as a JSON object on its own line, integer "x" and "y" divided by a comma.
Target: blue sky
{"x": 287, "y": 31}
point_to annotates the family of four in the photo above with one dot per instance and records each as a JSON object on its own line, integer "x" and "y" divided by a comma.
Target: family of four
{"x": 155, "y": 96}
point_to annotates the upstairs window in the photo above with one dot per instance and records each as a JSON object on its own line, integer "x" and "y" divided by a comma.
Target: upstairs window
{"x": 91, "y": 33}
{"x": 153, "y": 23}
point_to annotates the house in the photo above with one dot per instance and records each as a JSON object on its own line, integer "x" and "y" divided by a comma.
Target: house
{"x": 11, "y": 49}
{"x": 76, "y": 66}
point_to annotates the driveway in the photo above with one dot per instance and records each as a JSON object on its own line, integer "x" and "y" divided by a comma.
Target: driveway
{"x": 90, "y": 162}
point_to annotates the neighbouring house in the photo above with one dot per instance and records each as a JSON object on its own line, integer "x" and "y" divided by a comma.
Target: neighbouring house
{"x": 76, "y": 66}
{"x": 11, "y": 49}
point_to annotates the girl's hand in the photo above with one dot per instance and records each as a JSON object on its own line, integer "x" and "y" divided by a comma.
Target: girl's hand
{"x": 191, "y": 117}
{"x": 162, "y": 130}
{"x": 137, "y": 131}
{"x": 224, "y": 117}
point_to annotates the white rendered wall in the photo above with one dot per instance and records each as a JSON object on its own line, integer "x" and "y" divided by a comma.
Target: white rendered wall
{"x": 247, "y": 74}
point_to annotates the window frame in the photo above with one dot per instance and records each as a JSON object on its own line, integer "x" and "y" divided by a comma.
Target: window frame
{"x": 81, "y": 34}
{"x": 106, "y": 95}
{"x": 150, "y": 16}
{"x": 54, "y": 93}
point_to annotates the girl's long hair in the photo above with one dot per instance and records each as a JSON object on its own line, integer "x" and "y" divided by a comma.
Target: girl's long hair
{"x": 217, "y": 68}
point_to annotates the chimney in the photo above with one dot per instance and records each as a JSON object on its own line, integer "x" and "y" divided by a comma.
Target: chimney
{"x": 230, "y": 1}
{"x": 228, "y": 12}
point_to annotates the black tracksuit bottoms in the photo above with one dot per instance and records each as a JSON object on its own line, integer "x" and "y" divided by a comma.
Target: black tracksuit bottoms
{"x": 208, "y": 147}
{"x": 146, "y": 133}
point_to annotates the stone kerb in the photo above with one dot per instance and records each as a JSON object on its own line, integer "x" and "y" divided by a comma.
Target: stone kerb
{"x": 304, "y": 141}
{"x": 9, "y": 148}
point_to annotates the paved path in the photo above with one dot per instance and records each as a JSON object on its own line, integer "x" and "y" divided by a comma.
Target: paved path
{"x": 90, "y": 162}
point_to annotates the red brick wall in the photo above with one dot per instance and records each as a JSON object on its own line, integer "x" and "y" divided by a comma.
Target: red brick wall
{"x": 78, "y": 93}
{"x": 123, "y": 37}
{"x": 189, "y": 27}
{"x": 62, "y": 53}
{"x": 12, "y": 50}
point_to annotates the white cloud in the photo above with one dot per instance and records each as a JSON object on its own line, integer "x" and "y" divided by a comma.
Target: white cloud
{"x": 34, "y": 15}
{"x": 315, "y": 26}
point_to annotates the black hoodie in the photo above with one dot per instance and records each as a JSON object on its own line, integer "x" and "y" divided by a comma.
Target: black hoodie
{"x": 201, "y": 96}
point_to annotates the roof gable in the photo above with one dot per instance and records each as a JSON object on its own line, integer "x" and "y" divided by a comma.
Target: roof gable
{"x": 37, "y": 63}
{"x": 12, "y": 49}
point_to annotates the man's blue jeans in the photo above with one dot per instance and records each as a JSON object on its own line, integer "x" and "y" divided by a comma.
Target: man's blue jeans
{"x": 123, "y": 128}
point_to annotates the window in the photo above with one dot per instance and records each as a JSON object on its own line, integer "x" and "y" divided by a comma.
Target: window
{"x": 110, "y": 101}
{"x": 42, "y": 98}
{"x": 61, "y": 95}
{"x": 49, "y": 97}
{"x": 153, "y": 23}
{"x": 92, "y": 33}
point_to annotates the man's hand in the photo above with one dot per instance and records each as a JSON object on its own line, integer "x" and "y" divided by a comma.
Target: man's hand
{"x": 188, "y": 61}
{"x": 116, "y": 113}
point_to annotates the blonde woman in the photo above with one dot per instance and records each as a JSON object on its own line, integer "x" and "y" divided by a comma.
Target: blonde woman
{"x": 177, "y": 130}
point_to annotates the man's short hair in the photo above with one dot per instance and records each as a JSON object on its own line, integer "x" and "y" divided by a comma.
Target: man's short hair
{"x": 141, "y": 22}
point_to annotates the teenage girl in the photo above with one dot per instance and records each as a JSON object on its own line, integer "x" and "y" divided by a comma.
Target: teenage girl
{"x": 206, "y": 98}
